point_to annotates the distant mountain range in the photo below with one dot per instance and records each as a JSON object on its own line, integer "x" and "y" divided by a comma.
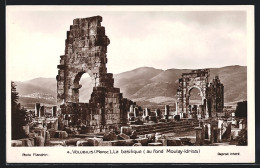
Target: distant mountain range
{"x": 144, "y": 85}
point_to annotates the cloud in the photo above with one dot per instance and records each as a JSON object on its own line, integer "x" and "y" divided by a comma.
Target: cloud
{"x": 36, "y": 39}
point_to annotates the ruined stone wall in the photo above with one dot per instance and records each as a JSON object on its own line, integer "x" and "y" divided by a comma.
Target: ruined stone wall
{"x": 215, "y": 97}
{"x": 212, "y": 94}
{"x": 85, "y": 52}
{"x": 196, "y": 79}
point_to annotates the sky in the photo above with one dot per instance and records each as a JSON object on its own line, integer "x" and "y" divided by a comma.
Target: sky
{"x": 158, "y": 38}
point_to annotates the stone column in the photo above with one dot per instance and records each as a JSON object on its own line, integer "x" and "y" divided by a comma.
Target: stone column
{"x": 158, "y": 112}
{"x": 54, "y": 111}
{"x": 136, "y": 112}
{"x": 167, "y": 110}
{"x": 219, "y": 135}
{"x": 131, "y": 108}
{"x": 228, "y": 132}
{"x": 177, "y": 108}
{"x": 37, "y": 109}
{"x": 146, "y": 112}
{"x": 42, "y": 111}
{"x": 199, "y": 136}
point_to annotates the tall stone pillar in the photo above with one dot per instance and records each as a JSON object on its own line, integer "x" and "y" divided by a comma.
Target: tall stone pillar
{"x": 177, "y": 108}
{"x": 136, "y": 112}
{"x": 42, "y": 111}
{"x": 199, "y": 136}
{"x": 37, "y": 109}
{"x": 167, "y": 111}
{"x": 54, "y": 111}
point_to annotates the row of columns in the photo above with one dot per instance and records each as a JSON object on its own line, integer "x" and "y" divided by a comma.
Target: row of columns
{"x": 41, "y": 110}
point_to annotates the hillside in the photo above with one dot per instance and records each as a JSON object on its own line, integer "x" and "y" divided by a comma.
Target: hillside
{"x": 144, "y": 85}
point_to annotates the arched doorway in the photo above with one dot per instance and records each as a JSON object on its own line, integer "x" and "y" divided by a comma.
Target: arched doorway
{"x": 86, "y": 89}
{"x": 196, "y": 102}
{"x": 197, "y": 79}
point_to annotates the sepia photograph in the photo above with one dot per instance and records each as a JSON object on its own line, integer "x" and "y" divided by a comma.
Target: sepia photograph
{"x": 101, "y": 81}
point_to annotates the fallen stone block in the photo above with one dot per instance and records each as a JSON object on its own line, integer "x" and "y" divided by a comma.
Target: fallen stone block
{"x": 133, "y": 135}
{"x": 39, "y": 141}
{"x": 126, "y": 130}
{"x": 61, "y": 134}
{"x": 121, "y": 143}
{"x": 143, "y": 141}
{"x": 32, "y": 135}
{"x": 16, "y": 143}
{"x": 32, "y": 141}
{"x": 47, "y": 138}
{"x": 127, "y": 142}
{"x": 94, "y": 141}
{"x": 114, "y": 143}
{"x": 186, "y": 141}
{"x": 82, "y": 143}
{"x": 173, "y": 142}
{"x": 105, "y": 143}
{"x": 155, "y": 144}
{"x": 71, "y": 142}
{"x": 122, "y": 136}
{"x": 137, "y": 144}
{"x": 52, "y": 133}
{"x": 162, "y": 141}
{"x": 26, "y": 142}
{"x": 57, "y": 143}
{"x": 110, "y": 136}
{"x": 150, "y": 137}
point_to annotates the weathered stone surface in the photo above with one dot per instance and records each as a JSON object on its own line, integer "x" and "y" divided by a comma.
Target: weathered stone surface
{"x": 155, "y": 144}
{"x": 71, "y": 142}
{"x": 143, "y": 141}
{"x": 16, "y": 143}
{"x": 39, "y": 141}
{"x": 26, "y": 129}
{"x": 212, "y": 94}
{"x": 126, "y": 130}
{"x": 126, "y": 142}
{"x": 106, "y": 143}
{"x": 110, "y": 136}
{"x": 199, "y": 137}
{"x": 94, "y": 141}
{"x": 57, "y": 143}
{"x": 187, "y": 141}
{"x": 133, "y": 135}
{"x": 52, "y": 133}
{"x": 162, "y": 141}
{"x": 114, "y": 143}
{"x": 150, "y": 137}
{"x": 82, "y": 143}
{"x": 137, "y": 144}
{"x": 122, "y": 136}
{"x": 173, "y": 142}
{"x": 61, "y": 134}
{"x": 32, "y": 135}
{"x": 26, "y": 142}
{"x": 47, "y": 138}
{"x": 85, "y": 52}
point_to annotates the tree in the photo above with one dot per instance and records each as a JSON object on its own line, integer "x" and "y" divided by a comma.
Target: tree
{"x": 19, "y": 116}
{"x": 241, "y": 109}
{"x": 14, "y": 96}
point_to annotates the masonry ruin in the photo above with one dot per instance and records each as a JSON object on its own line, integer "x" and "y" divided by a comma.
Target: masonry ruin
{"x": 111, "y": 120}
{"x": 85, "y": 52}
{"x": 212, "y": 95}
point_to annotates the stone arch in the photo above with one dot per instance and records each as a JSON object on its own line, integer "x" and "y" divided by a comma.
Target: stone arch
{"x": 202, "y": 94}
{"x": 85, "y": 52}
{"x": 76, "y": 86}
{"x": 196, "y": 79}
{"x": 212, "y": 94}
